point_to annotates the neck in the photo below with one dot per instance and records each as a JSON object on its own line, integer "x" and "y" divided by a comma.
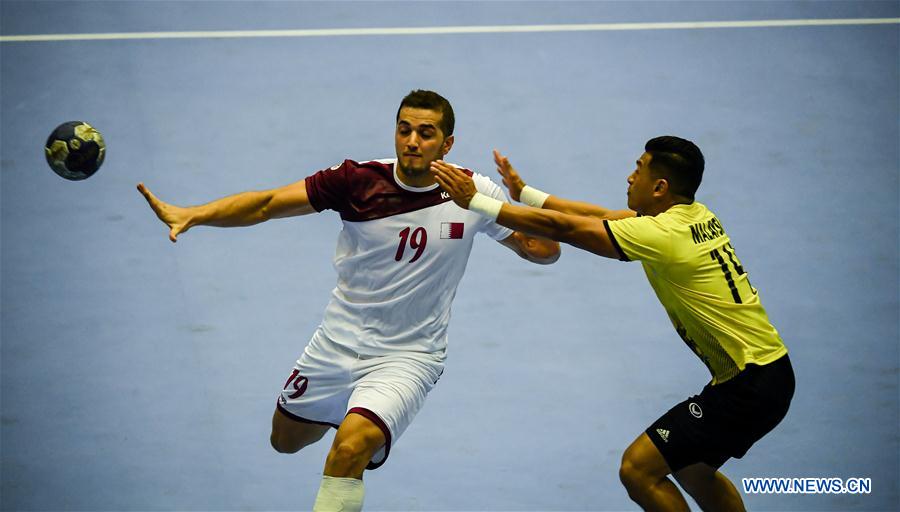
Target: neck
{"x": 414, "y": 178}
{"x": 663, "y": 206}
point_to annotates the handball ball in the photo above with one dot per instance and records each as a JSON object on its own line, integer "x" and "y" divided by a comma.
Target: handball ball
{"x": 75, "y": 150}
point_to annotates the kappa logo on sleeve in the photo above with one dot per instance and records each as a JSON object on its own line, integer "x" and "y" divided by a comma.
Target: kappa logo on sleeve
{"x": 452, "y": 230}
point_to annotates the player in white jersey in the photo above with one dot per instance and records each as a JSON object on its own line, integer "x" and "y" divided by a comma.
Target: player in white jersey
{"x": 401, "y": 254}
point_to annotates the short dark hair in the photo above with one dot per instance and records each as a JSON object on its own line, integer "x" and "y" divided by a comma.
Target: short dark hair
{"x": 679, "y": 161}
{"x": 431, "y": 100}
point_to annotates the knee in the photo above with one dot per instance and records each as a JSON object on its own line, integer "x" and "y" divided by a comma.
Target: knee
{"x": 630, "y": 474}
{"x": 348, "y": 453}
{"x": 281, "y": 444}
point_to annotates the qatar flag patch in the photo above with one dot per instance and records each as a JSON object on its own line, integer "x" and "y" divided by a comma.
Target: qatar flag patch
{"x": 452, "y": 229}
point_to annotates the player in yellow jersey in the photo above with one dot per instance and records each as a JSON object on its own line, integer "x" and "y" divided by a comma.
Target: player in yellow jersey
{"x": 692, "y": 266}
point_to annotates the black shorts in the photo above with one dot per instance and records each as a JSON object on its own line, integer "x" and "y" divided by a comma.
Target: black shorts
{"x": 724, "y": 420}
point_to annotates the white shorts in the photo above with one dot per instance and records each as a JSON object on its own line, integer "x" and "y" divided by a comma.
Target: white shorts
{"x": 330, "y": 381}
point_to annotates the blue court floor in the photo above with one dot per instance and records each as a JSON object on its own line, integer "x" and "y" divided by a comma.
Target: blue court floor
{"x": 141, "y": 375}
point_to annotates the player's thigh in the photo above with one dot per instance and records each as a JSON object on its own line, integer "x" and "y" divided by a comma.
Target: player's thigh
{"x": 642, "y": 460}
{"x": 290, "y": 435}
{"x": 389, "y": 393}
{"x": 393, "y": 390}
{"x": 314, "y": 397}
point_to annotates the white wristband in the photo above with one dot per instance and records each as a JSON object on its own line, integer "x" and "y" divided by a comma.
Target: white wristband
{"x": 485, "y": 205}
{"x": 533, "y": 197}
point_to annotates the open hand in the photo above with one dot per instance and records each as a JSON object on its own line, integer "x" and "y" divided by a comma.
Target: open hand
{"x": 511, "y": 178}
{"x": 177, "y": 218}
{"x": 455, "y": 182}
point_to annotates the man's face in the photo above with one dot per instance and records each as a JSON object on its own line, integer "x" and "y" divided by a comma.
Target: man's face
{"x": 641, "y": 185}
{"x": 419, "y": 140}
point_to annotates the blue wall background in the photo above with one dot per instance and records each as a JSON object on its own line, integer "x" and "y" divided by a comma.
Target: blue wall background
{"x": 141, "y": 375}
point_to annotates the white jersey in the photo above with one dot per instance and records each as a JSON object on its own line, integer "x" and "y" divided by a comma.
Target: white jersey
{"x": 399, "y": 257}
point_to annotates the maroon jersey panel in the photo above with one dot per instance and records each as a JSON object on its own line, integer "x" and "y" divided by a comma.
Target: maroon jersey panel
{"x": 367, "y": 191}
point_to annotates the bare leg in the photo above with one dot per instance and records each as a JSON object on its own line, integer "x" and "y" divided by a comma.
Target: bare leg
{"x": 710, "y": 488}
{"x": 342, "y": 488}
{"x": 644, "y": 473}
{"x": 354, "y": 444}
{"x": 289, "y": 435}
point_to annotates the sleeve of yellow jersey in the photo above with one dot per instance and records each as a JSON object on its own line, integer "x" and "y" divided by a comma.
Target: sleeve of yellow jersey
{"x": 640, "y": 239}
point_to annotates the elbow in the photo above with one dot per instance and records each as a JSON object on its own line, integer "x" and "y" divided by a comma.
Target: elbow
{"x": 549, "y": 260}
{"x": 267, "y": 210}
{"x": 542, "y": 252}
{"x": 549, "y": 256}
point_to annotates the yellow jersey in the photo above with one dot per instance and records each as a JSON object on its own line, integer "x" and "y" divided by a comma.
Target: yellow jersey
{"x": 702, "y": 285}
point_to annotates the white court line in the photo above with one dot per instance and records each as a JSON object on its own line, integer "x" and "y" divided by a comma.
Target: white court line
{"x": 492, "y": 29}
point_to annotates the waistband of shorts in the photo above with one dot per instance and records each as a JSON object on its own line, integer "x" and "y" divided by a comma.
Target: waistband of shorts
{"x": 782, "y": 364}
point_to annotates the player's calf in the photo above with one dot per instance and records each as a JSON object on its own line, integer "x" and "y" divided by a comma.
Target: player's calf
{"x": 710, "y": 488}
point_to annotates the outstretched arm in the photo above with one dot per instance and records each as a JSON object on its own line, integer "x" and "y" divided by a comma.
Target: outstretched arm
{"x": 534, "y": 249}
{"x": 515, "y": 184}
{"x": 585, "y": 232}
{"x": 244, "y": 209}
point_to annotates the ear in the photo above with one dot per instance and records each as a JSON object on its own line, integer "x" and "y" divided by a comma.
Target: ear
{"x": 661, "y": 187}
{"x": 448, "y": 143}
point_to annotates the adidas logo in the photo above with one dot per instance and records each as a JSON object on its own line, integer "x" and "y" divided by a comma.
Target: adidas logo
{"x": 664, "y": 434}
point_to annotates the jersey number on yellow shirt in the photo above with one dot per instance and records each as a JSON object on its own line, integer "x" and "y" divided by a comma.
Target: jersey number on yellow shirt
{"x": 717, "y": 256}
